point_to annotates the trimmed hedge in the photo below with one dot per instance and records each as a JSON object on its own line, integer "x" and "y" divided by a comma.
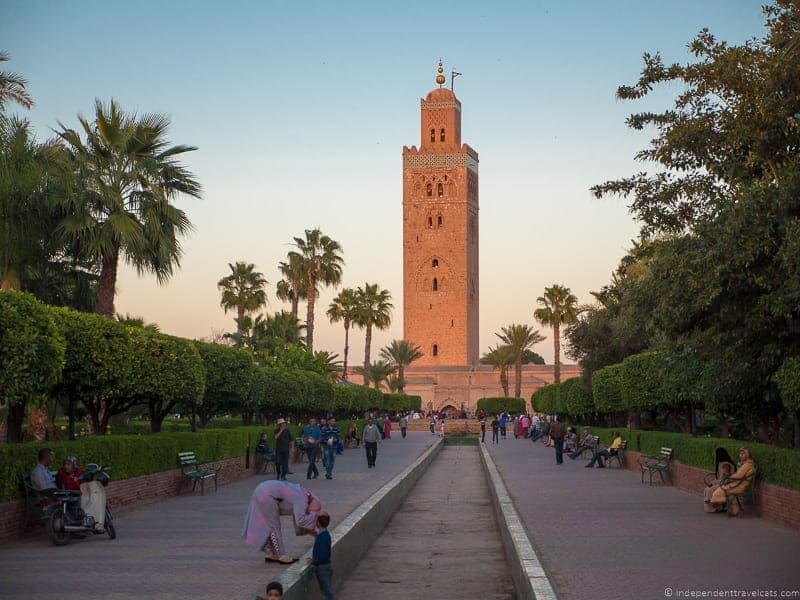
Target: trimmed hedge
{"x": 549, "y": 399}
{"x": 606, "y": 389}
{"x": 401, "y": 403}
{"x": 578, "y": 397}
{"x": 788, "y": 380}
{"x": 497, "y": 405}
{"x": 135, "y": 455}
{"x": 779, "y": 466}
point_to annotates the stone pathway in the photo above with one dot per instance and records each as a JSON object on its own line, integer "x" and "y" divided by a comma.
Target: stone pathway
{"x": 601, "y": 534}
{"x": 442, "y": 543}
{"x": 190, "y": 546}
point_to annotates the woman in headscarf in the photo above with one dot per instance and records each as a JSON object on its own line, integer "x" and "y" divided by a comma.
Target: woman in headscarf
{"x": 270, "y": 500}
{"x": 735, "y": 483}
{"x": 68, "y": 476}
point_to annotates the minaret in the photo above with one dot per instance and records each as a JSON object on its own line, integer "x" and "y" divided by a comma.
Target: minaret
{"x": 440, "y": 236}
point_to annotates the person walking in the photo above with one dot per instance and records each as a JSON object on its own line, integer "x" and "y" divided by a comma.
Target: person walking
{"x": 321, "y": 556}
{"x": 329, "y": 438}
{"x": 503, "y": 424}
{"x": 403, "y": 425}
{"x": 433, "y": 425}
{"x": 283, "y": 443}
{"x": 311, "y": 435}
{"x": 387, "y": 427}
{"x": 483, "y": 429}
{"x": 371, "y": 436}
{"x": 495, "y": 431}
{"x": 557, "y": 437}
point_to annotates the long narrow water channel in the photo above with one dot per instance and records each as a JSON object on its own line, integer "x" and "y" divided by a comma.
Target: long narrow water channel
{"x": 442, "y": 543}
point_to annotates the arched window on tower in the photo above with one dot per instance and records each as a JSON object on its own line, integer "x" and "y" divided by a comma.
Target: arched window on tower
{"x": 435, "y": 284}
{"x": 435, "y": 263}
{"x": 439, "y": 221}
{"x": 440, "y": 190}
{"x": 433, "y": 135}
{"x": 435, "y": 350}
{"x": 430, "y": 221}
{"x": 429, "y": 190}
{"x": 441, "y": 135}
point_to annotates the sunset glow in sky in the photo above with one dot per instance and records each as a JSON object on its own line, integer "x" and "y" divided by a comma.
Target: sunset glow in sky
{"x": 300, "y": 111}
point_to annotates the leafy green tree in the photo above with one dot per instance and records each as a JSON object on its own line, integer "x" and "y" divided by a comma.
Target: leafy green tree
{"x": 500, "y": 358}
{"x": 127, "y": 178}
{"x": 519, "y": 338}
{"x": 292, "y": 288}
{"x": 529, "y": 357}
{"x": 374, "y": 310}
{"x": 344, "y": 308}
{"x": 228, "y": 374}
{"x": 243, "y": 291}
{"x": 13, "y": 87}
{"x": 31, "y": 356}
{"x": 377, "y": 372}
{"x": 400, "y": 354}
{"x": 322, "y": 262}
{"x": 558, "y": 306}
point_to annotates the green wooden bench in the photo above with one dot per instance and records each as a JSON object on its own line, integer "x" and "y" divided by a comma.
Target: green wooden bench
{"x": 591, "y": 451}
{"x": 619, "y": 456}
{"x": 656, "y": 463}
{"x": 747, "y": 495}
{"x": 195, "y": 471}
{"x": 35, "y": 504}
{"x": 264, "y": 460}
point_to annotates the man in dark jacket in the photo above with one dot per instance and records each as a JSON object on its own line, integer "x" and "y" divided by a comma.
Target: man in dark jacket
{"x": 557, "y": 437}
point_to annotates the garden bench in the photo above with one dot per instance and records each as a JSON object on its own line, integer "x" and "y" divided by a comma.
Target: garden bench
{"x": 591, "y": 451}
{"x": 748, "y": 495}
{"x": 194, "y": 471}
{"x": 619, "y": 456}
{"x": 264, "y": 459}
{"x": 656, "y": 463}
{"x": 35, "y": 504}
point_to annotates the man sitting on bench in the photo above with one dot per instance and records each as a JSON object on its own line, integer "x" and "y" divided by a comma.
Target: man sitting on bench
{"x": 598, "y": 456}
{"x": 41, "y": 478}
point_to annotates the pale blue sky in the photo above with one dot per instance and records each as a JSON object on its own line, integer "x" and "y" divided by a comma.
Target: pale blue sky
{"x": 300, "y": 111}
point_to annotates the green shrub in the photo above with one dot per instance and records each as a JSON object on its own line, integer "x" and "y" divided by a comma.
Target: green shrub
{"x": 228, "y": 375}
{"x": 788, "y": 380}
{"x": 578, "y": 397}
{"x": 549, "y": 399}
{"x": 606, "y": 389}
{"x": 31, "y": 354}
{"x": 393, "y": 403}
{"x": 642, "y": 382}
{"x": 497, "y": 405}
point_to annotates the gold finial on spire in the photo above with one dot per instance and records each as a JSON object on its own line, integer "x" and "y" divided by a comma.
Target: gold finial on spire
{"x": 440, "y": 78}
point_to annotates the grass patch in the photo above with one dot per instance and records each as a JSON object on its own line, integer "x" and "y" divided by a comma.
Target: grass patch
{"x": 460, "y": 440}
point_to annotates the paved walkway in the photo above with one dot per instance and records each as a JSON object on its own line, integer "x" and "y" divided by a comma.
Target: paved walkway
{"x": 189, "y": 547}
{"x": 601, "y": 534}
{"x": 442, "y": 543}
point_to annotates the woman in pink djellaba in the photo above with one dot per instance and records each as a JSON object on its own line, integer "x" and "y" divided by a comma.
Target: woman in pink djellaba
{"x": 270, "y": 500}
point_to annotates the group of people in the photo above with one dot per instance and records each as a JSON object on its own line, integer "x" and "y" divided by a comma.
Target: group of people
{"x": 69, "y": 477}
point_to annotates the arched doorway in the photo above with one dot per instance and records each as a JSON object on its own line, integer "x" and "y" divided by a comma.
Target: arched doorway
{"x": 450, "y": 409}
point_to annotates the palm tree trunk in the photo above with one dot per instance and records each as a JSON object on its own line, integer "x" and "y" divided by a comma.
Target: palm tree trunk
{"x": 366, "y": 353}
{"x": 346, "y": 347}
{"x": 108, "y": 284}
{"x": 312, "y": 298}
{"x": 295, "y": 304}
{"x": 557, "y": 347}
{"x": 14, "y": 420}
{"x": 10, "y": 280}
{"x": 401, "y": 384}
{"x": 240, "y": 319}
{"x": 504, "y": 381}
{"x": 518, "y": 377}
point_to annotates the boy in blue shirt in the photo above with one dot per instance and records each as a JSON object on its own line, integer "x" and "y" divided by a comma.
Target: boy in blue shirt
{"x": 321, "y": 556}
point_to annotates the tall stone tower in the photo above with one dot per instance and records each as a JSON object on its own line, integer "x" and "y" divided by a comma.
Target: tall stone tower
{"x": 440, "y": 236}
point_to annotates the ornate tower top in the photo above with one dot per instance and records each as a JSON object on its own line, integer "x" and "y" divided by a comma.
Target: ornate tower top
{"x": 440, "y": 78}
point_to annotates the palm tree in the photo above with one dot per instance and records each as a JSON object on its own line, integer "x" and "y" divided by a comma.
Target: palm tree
{"x": 279, "y": 330}
{"x": 12, "y": 86}
{"x": 127, "y": 177}
{"x": 134, "y": 321}
{"x": 243, "y": 291}
{"x": 377, "y": 372}
{"x": 331, "y": 367}
{"x": 344, "y": 308}
{"x": 401, "y": 353}
{"x": 292, "y": 288}
{"x": 322, "y": 263}
{"x": 558, "y": 306}
{"x": 374, "y": 310}
{"x": 519, "y": 338}
{"x": 500, "y": 357}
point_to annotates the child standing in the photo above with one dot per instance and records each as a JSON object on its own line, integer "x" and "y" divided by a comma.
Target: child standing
{"x": 321, "y": 556}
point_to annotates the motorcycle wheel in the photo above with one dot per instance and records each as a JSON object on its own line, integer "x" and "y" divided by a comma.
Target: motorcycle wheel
{"x": 109, "y": 525}
{"x": 55, "y": 530}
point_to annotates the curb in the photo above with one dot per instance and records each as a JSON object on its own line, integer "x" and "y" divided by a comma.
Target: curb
{"x": 530, "y": 580}
{"x": 355, "y": 534}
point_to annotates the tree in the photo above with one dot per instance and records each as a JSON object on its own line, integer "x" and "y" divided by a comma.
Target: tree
{"x": 127, "y": 177}
{"x": 377, "y": 372}
{"x": 292, "y": 288}
{"x": 242, "y": 291}
{"x": 344, "y": 308}
{"x": 519, "y": 338}
{"x": 401, "y": 353}
{"x": 134, "y": 321}
{"x": 322, "y": 263}
{"x": 374, "y": 310}
{"x": 559, "y": 306}
{"x": 12, "y": 86}
{"x": 500, "y": 357}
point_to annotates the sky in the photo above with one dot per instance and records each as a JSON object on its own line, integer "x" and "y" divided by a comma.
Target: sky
{"x": 300, "y": 111}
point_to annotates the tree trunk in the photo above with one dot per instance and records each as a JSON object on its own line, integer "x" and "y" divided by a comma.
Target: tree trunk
{"x": 346, "y": 347}
{"x": 724, "y": 428}
{"x": 156, "y": 417}
{"x": 108, "y": 284}
{"x": 14, "y": 419}
{"x": 295, "y": 304}
{"x": 239, "y": 320}
{"x": 10, "y": 280}
{"x": 366, "y": 353}
{"x": 401, "y": 384}
{"x": 796, "y": 444}
{"x": 312, "y": 298}
{"x": 71, "y": 426}
{"x": 504, "y": 381}
{"x": 518, "y": 376}
{"x": 557, "y": 347}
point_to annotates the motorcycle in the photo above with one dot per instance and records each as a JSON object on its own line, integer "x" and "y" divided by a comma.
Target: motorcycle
{"x": 66, "y": 518}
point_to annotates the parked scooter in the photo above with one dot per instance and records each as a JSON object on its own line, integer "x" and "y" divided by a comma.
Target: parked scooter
{"x": 66, "y": 516}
